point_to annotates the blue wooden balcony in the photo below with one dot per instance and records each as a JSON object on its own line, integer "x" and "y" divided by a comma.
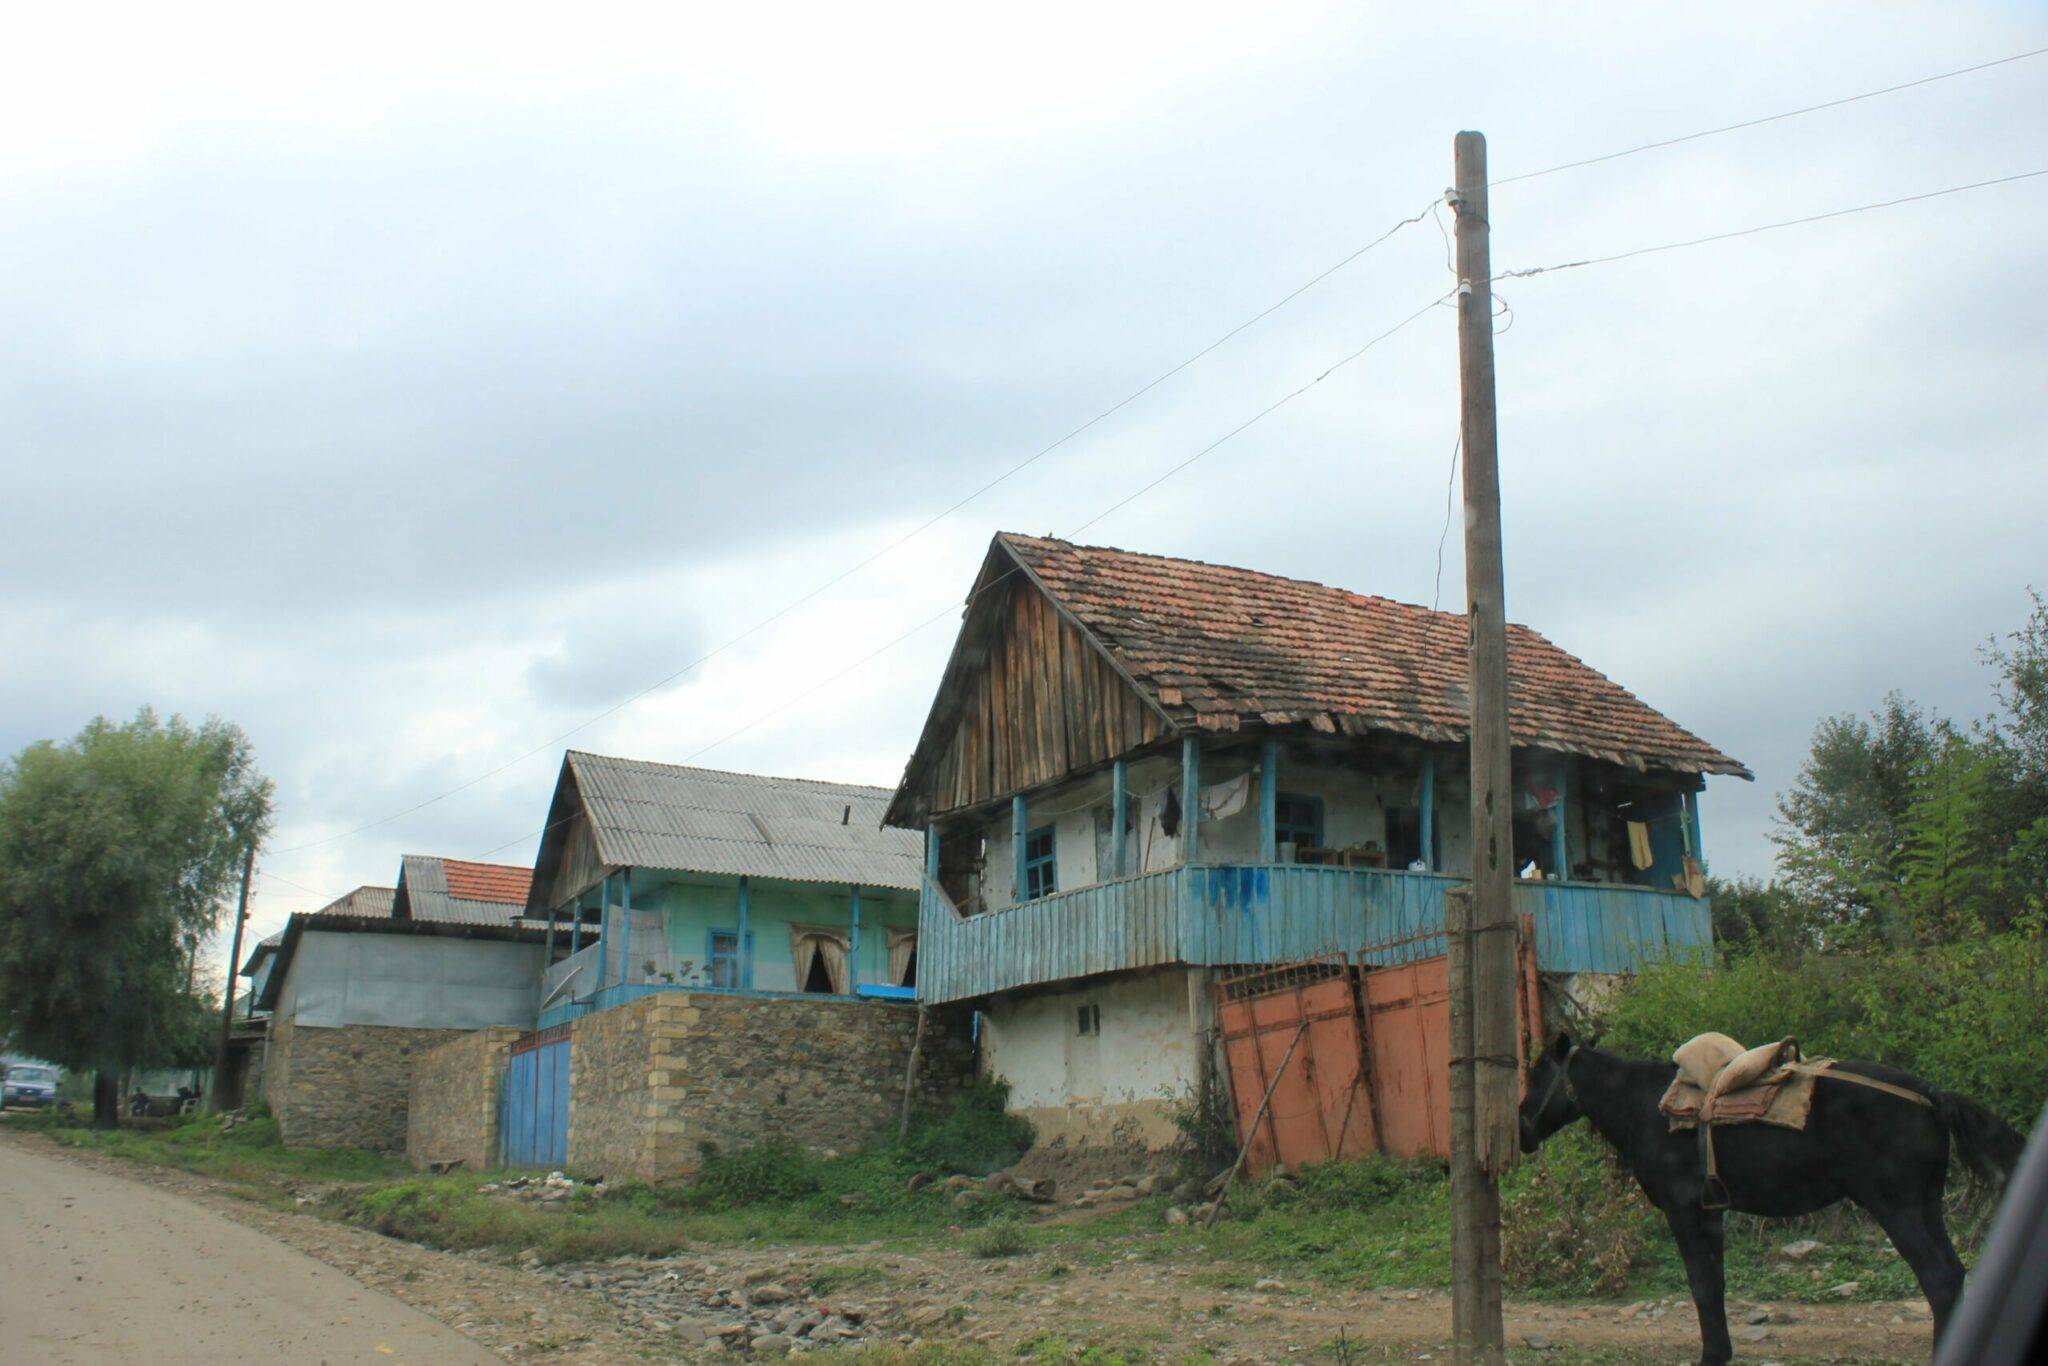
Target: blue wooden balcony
{"x": 1218, "y": 914}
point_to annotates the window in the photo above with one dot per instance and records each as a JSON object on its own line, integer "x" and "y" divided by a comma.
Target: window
{"x": 1041, "y": 875}
{"x": 1298, "y": 820}
{"x": 723, "y": 959}
{"x": 1088, "y": 1019}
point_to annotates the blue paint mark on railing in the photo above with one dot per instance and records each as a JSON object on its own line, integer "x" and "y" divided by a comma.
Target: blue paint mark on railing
{"x": 1225, "y": 914}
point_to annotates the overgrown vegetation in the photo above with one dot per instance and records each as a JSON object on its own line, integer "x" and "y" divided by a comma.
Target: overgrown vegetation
{"x": 250, "y": 1154}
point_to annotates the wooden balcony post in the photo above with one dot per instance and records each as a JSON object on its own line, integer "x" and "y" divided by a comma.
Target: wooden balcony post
{"x": 1692, "y": 817}
{"x": 626, "y": 927}
{"x": 853, "y": 947}
{"x": 1120, "y": 815}
{"x": 1559, "y": 853}
{"x": 1427, "y": 800}
{"x": 1190, "y": 796}
{"x": 744, "y": 978}
{"x": 1269, "y": 801}
{"x": 1020, "y": 822}
{"x": 604, "y": 896}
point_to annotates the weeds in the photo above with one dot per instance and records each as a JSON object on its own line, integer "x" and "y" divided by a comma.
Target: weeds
{"x": 1002, "y": 1237}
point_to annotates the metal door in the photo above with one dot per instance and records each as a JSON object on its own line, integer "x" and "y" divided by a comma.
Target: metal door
{"x": 1294, "y": 1032}
{"x": 533, "y": 1102}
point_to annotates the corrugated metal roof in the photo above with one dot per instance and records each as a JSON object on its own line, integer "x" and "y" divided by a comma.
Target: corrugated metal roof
{"x": 649, "y": 815}
{"x": 423, "y": 893}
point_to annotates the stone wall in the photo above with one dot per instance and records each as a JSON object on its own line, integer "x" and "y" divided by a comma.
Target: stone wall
{"x": 654, "y": 1081}
{"x": 453, "y": 1114}
{"x": 347, "y": 1087}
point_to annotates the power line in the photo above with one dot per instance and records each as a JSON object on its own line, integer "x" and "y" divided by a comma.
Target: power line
{"x": 950, "y": 608}
{"x": 892, "y": 546}
{"x": 1529, "y": 271}
{"x": 1767, "y": 118}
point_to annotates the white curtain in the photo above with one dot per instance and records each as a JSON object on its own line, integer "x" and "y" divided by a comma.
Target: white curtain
{"x": 810, "y": 943}
{"x": 902, "y": 944}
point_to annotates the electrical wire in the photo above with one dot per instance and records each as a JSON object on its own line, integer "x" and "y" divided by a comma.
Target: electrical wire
{"x": 1767, "y": 118}
{"x": 1531, "y": 271}
{"x": 887, "y": 549}
{"x": 993, "y": 583}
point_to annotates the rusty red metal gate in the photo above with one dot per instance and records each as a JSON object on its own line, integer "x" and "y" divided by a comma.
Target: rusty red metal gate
{"x": 1356, "y": 1057}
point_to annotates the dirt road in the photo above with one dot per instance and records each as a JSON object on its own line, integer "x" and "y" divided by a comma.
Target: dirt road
{"x": 94, "y": 1268}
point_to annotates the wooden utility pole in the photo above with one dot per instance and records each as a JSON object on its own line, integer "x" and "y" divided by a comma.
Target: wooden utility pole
{"x": 1485, "y": 1061}
{"x": 227, "y": 1006}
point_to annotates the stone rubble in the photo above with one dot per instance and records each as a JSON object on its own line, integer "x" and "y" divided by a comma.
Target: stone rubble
{"x": 699, "y": 1308}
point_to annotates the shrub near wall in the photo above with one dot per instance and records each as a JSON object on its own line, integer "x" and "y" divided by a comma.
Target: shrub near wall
{"x": 1969, "y": 1017}
{"x": 453, "y": 1116}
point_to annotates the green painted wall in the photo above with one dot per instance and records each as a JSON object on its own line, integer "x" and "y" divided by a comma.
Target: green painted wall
{"x": 693, "y": 909}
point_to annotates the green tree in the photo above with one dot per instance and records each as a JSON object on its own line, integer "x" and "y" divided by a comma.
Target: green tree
{"x": 114, "y": 848}
{"x": 1841, "y": 832}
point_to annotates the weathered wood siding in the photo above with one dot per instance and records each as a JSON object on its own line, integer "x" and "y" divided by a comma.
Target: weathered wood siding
{"x": 578, "y": 869}
{"x": 1215, "y": 915}
{"x": 1041, "y": 702}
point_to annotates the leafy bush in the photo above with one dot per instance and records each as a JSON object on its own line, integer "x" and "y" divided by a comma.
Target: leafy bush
{"x": 1573, "y": 1220}
{"x": 1967, "y": 1016}
{"x": 1001, "y": 1237}
{"x": 764, "y": 1172}
{"x": 975, "y": 1137}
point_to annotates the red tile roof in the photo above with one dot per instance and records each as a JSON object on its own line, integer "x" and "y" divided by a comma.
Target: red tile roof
{"x": 495, "y": 882}
{"x": 1218, "y": 647}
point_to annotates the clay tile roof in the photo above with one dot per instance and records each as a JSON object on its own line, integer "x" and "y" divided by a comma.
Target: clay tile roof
{"x": 1217, "y": 647}
{"x": 456, "y": 892}
{"x": 486, "y": 881}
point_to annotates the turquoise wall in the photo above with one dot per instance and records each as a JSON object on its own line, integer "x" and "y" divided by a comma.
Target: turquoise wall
{"x": 693, "y": 909}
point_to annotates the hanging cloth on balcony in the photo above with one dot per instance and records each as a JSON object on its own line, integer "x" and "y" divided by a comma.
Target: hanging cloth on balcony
{"x": 1639, "y": 844}
{"x": 1224, "y": 800}
{"x": 808, "y": 944}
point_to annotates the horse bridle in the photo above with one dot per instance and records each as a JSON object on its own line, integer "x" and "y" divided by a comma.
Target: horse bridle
{"x": 1561, "y": 1077}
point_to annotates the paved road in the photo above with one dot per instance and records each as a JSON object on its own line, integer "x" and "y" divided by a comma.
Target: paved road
{"x": 94, "y": 1268}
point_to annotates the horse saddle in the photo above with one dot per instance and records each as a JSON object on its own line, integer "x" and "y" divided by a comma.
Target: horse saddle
{"x": 1720, "y": 1082}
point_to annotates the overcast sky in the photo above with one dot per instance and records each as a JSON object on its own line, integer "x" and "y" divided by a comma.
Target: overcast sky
{"x": 413, "y": 386}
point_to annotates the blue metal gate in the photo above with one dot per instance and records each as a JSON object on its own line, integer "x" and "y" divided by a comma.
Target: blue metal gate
{"x": 533, "y": 1102}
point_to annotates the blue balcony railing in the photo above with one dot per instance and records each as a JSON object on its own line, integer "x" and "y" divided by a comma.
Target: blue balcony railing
{"x": 1217, "y": 914}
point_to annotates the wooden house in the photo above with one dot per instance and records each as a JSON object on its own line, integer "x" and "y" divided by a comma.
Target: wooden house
{"x": 1139, "y": 769}
{"x": 657, "y": 877}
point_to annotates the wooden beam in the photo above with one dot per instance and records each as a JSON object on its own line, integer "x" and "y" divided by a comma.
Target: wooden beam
{"x": 1269, "y": 800}
{"x": 1190, "y": 796}
{"x": 604, "y": 896}
{"x": 853, "y": 946}
{"x": 746, "y": 953}
{"x": 1560, "y": 852}
{"x": 1020, "y": 818}
{"x": 1427, "y": 801}
{"x": 1120, "y": 815}
{"x": 626, "y": 926}
{"x": 1692, "y": 816}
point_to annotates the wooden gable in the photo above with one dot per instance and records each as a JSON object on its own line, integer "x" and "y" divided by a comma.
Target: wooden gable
{"x": 1028, "y": 698}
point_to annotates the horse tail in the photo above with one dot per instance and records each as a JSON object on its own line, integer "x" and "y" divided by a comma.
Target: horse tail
{"x": 1989, "y": 1146}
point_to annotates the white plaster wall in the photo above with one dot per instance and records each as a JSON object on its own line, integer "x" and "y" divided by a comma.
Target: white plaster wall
{"x": 1085, "y": 1087}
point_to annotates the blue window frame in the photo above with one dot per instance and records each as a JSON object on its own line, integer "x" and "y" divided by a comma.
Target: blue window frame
{"x": 1041, "y": 870}
{"x": 1298, "y": 820}
{"x": 723, "y": 962}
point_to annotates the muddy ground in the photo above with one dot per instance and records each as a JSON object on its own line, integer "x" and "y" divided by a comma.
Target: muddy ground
{"x": 944, "y": 1301}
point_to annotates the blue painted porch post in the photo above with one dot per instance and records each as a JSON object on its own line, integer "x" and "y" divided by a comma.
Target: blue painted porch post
{"x": 553, "y": 916}
{"x": 1692, "y": 817}
{"x": 1019, "y": 821}
{"x": 604, "y": 896}
{"x": 1190, "y": 797}
{"x": 1558, "y": 853}
{"x": 1119, "y": 816}
{"x": 1269, "y": 801}
{"x": 626, "y": 926}
{"x": 1428, "y": 803}
{"x": 746, "y": 973}
{"x": 853, "y": 949}
{"x": 931, "y": 852}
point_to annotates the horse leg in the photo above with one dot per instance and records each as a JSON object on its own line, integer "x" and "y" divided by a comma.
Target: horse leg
{"x": 1699, "y": 1235}
{"x": 1919, "y": 1231}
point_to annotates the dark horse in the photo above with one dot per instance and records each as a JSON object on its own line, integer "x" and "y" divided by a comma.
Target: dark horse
{"x": 1887, "y": 1153}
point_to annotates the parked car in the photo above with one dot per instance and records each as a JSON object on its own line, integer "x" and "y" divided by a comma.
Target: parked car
{"x": 31, "y": 1085}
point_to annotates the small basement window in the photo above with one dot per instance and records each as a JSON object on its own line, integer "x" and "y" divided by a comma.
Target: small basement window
{"x": 1041, "y": 872}
{"x": 723, "y": 960}
{"x": 1088, "y": 1019}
